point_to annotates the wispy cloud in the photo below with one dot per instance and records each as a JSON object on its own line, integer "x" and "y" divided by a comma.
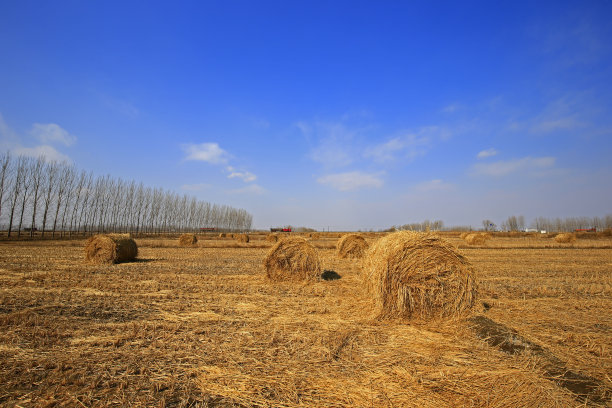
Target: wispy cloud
{"x": 505, "y": 167}
{"x": 46, "y": 151}
{"x": 351, "y": 181}
{"x": 487, "y": 153}
{"x": 206, "y": 152}
{"x": 52, "y": 133}
{"x": 245, "y": 176}
{"x": 407, "y": 146}
{"x": 434, "y": 185}
{"x": 250, "y": 189}
{"x": 335, "y": 144}
{"x": 195, "y": 187}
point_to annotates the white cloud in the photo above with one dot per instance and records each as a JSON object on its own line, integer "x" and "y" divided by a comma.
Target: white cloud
{"x": 245, "y": 176}
{"x": 351, "y": 181}
{"x": 250, "y": 189}
{"x": 46, "y": 151}
{"x": 487, "y": 153}
{"x": 195, "y": 187}
{"x": 407, "y": 146}
{"x": 434, "y": 185}
{"x": 335, "y": 144}
{"x": 547, "y": 126}
{"x": 452, "y": 108}
{"x": 52, "y": 133}
{"x": 505, "y": 167}
{"x": 207, "y": 152}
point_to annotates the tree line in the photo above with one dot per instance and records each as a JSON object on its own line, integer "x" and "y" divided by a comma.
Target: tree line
{"x": 567, "y": 224}
{"x": 57, "y": 199}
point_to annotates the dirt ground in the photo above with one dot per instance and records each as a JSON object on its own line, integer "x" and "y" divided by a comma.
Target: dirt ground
{"x": 202, "y": 326}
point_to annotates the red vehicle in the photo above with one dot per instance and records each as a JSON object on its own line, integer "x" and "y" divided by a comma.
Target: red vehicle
{"x": 284, "y": 229}
{"x": 208, "y": 229}
{"x": 586, "y": 230}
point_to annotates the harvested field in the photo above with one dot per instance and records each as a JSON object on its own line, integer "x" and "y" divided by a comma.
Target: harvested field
{"x": 203, "y": 326}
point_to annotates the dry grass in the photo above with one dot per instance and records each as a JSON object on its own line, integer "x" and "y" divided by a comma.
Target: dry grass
{"x": 272, "y": 237}
{"x": 292, "y": 258}
{"x": 110, "y": 249}
{"x": 418, "y": 276}
{"x": 203, "y": 327}
{"x": 187, "y": 240}
{"x": 352, "y": 246}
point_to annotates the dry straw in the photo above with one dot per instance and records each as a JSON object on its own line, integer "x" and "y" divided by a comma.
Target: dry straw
{"x": 351, "y": 246}
{"x": 244, "y": 238}
{"x": 476, "y": 238}
{"x": 565, "y": 238}
{"x": 110, "y": 249}
{"x": 418, "y": 276}
{"x": 293, "y": 258}
{"x": 188, "y": 240}
{"x": 222, "y": 235}
{"x": 272, "y": 237}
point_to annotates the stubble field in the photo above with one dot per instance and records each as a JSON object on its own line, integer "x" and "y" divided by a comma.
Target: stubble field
{"x": 203, "y": 326}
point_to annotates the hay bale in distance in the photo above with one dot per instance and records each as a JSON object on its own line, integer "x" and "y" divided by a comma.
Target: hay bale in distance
{"x": 476, "y": 238}
{"x": 565, "y": 238}
{"x": 222, "y": 235}
{"x": 351, "y": 246}
{"x": 187, "y": 240}
{"x": 418, "y": 276}
{"x": 292, "y": 258}
{"x": 244, "y": 238}
{"x": 110, "y": 249}
{"x": 272, "y": 237}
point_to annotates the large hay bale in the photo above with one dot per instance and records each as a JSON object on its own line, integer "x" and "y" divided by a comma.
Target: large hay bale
{"x": 351, "y": 246}
{"x": 244, "y": 238}
{"x": 188, "y": 240}
{"x": 464, "y": 234}
{"x": 293, "y": 258}
{"x": 222, "y": 235}
{"x": 565, "y": 238}
{"x": 476, "y": 238}
{"x": 110, "y": 249}
{"x": 418, "y": 275}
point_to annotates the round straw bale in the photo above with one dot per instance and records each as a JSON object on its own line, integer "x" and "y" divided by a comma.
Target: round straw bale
{"x": 351, "y": 246}
{"x": 476, "y": 238}
{"x": 464, "y": 234}
{"x": 272, "y": 237}
{"x": 565, "y": 238}
{"x": 314, "y": 235}
{"x": 241, "y": 238}
{"x": 222, "y": 235}
{"x": 293, "y": 258}
{"x": 418, "y": 275}
{"x": 188, "y": 240}
{"x": 110, "y": 249}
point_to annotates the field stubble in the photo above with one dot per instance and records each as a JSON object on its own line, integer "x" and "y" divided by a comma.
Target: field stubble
{"x": 203, "y": 327}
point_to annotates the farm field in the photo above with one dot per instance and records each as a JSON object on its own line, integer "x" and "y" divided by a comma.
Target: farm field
{"x": 202, "y": 326}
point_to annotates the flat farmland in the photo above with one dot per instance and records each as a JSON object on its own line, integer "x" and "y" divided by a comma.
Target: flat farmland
{"x": 202, "y": 326}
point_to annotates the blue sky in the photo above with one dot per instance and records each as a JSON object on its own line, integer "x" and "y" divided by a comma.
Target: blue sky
{"x": 341, "y": 114}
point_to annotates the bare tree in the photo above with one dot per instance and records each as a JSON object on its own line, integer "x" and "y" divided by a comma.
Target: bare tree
{"x": 65, "y": 177}
{"x": 51, "y": 171}
{"x": 36, "y": 178}
{"x": 5, "y": 161}
{"x": 20, "y": 169}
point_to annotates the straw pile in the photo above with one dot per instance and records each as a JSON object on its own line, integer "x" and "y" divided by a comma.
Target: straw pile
{"x": 188, "y": 240}
{"x": 351, "y": 246}
{"x": 292, "y": 258}
{"x": 244, "y": 238}
{"x": 272, "y": 237}
{"x": 476, "y": 238}
{"x": 418, "y": 275}
{"x": 465, "y": 234}
{"x": 565, "y": 238}
{"x": 110, "y": 249}
{"x": 222, "y": 235}
{"x": 314, "y": 235}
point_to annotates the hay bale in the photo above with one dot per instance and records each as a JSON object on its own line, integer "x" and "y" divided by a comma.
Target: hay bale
{"x": 244, "y": 238}
{"x": 110, "y": 249}
{"x": 222, "y": 235}
{"x": 351, "y": 246}
{"x": 314, "y": 235}
{"x": 565, "y": 238}
{"x": 293, "y": 258}
{"x": 476, "y": 238}
{"x": 464, "y": 234}
{"x": 272, "y": 237}
{"x": 418, "y": 276}
{"x": 187, "y": 240}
